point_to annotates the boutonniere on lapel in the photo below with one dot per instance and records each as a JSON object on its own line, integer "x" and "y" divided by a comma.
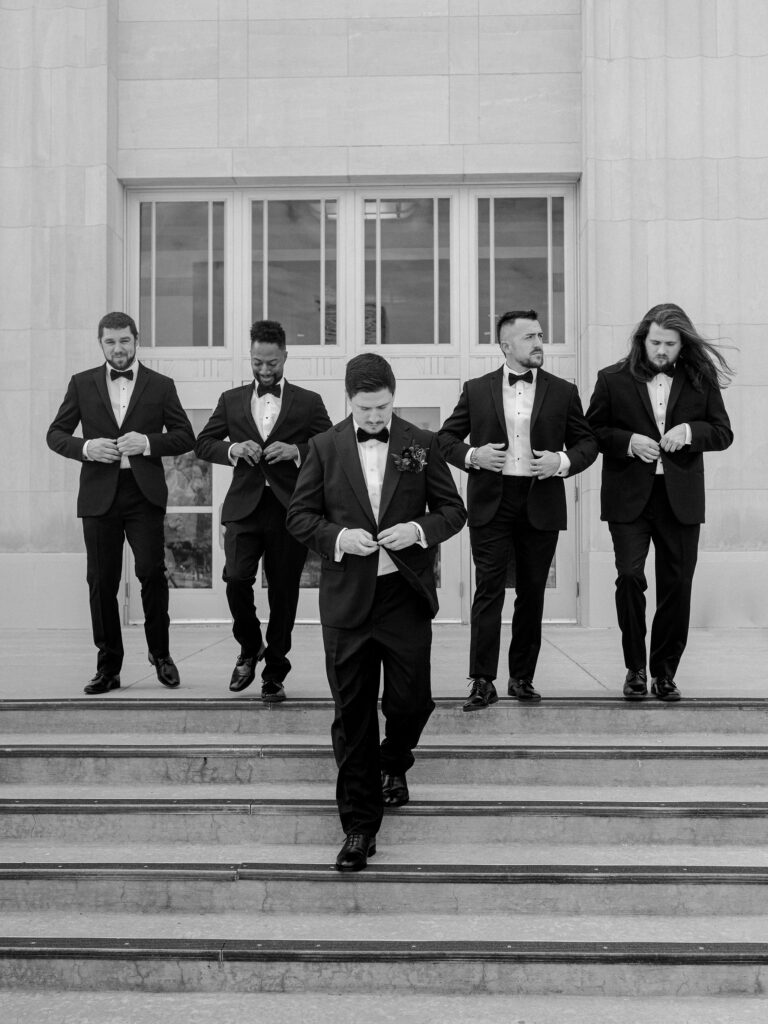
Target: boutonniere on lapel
{"x": 412, "y": 459}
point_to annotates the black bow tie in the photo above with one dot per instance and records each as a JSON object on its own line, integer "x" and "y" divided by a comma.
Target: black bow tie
{"x": 668, "y": 369}
{"x": 114, "y": 374}
{"x": 363, "y": 436}
{"x": 515, "y": 377}
{"x": 268, "y": 389}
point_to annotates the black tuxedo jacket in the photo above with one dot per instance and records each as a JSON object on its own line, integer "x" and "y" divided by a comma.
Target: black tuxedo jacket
{"x": 331, "y": 494}
{"x": 557, "y": 423}
{"x": 154, "y": 410}
{"x": 302, "y": 414}
{"x": 621, "y": 407}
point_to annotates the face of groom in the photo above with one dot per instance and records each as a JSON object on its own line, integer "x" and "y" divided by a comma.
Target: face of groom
{"x": 372, "y": 410}
{"x": 119, "y": 347}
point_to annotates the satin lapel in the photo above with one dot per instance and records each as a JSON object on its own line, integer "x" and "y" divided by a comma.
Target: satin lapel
{"x": 247, "y": 395}
{"x": 542, "y": 384}
{"x": 674, "y": 392}
{"x": 498, "y": 398}
{"x": 349, "y": 460}
{"x": 285, "y": 404}
{"x": 142, "y": 379}
{"x": 100, "y": 380}
{"x": 642, "y": 390}
{"x": 400, "y": 437}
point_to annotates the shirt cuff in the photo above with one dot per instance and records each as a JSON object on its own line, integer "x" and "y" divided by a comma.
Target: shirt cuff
{"x": 468, "y": 459}
{"x": 229, "y": 453}
{"x": 688, "y": 433}
{"x": 86, "y": 457}
{"x": 338, "y": 554}
{"x": 146, "y": 447}
{"x": 422, "y": 540}
{"x": 565, "y": 465}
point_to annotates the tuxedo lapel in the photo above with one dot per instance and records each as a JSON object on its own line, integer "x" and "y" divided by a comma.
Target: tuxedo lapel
{"x": 498, "y": 397}
{"x": 286, "y": 402}
{"x": 542, "y": 384}
{"x": 247, "y": 395}
{"x": 349, "y": 459}
{"x": 642, "y": 390}
{"x": 399, "y": 437}
{"x": 100, "y": 380}
{"x": 674, "y": 391}
{"x": 142, "y": 379}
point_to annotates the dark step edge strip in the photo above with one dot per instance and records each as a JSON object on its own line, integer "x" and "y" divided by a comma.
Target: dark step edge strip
{"x": 486, "y": 874}
{"x": 416, "y": 808}
{"x": 640, "y": 953}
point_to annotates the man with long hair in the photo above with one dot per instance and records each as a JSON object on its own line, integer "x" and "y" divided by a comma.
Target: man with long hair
{"x": 654, "y": 413}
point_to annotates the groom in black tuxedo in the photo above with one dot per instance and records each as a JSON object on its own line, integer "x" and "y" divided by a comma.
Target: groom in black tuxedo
{"x": 130, "y": 417}
{"x": 267, "y": 424}
{"x": 374, "y": 498}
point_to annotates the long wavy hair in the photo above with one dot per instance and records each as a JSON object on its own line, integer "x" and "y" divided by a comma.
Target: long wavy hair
{"x": 702, "y": 360}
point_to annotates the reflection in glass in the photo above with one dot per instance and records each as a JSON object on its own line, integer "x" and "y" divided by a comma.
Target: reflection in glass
{"x": 296, "y": 241}
{"x": 188, "y": 478}
{"x": 188, "y": 550}
{"x": 521, "y": 262}
{"x": 407, "y": 271}
{"x": 425, "y": 416}
{"x": 510, "y": 580}
{"x": 181, "y": 280}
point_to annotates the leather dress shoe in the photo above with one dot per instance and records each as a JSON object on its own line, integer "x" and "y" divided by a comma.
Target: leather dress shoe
{"x": 394, "y": 790}
{"x": 102, "y": 684}
{"x": 272, "y": 691}
{"x": 245, "y": 670}
{"x": 665, "y": 689}
{"x": 523, "y": 690}
{"x": 635, "y": 685}
{"x": 167, "y": 673}
{"x": 354, "y": 854}
{"x": 482, "y": 695}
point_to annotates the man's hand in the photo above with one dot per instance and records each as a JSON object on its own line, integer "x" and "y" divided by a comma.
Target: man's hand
{"x": 545, "y": 464}
{"x": 131, "y": 443}
{"x": 399, "y": 536}
{"x": 279, "y": 451}
{"x": 491, "y": 456}
{"x": 674, "y": 439}
{"x": 103, "y": 449}
{"x": 644, "y": 448}
{"x": 248, "y": 450}
{"x": 357, "y": 542}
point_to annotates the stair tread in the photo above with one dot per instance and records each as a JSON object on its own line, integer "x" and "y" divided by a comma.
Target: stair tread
{"x": 670, "y": 856}
{"x": 420, "y": 926}
{"x": 375, "y": 1008}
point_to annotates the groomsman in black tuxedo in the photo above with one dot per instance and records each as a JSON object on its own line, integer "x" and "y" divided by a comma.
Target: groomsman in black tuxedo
{"x": 374, "y": 499}
{"x": 527, "y": 432}
{"x": 268, "y": 425}
{"x": 130, "y": 417}
{"x": 654, "y": 413}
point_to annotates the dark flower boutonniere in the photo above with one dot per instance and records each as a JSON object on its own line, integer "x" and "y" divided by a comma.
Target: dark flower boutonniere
{"x": 412, "y": 459}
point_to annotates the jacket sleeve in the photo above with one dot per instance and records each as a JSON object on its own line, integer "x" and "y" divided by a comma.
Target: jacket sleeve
{"x": 210, "y": 444}
{"x": 446, "y": 515}
{"x": 452, "y": 433}
{"x": 580, "y": 441}
{"x": 319, "y": 420}
{"x": 613, "y": 441}
{"x": 178, "y": 436}
{"x": 713, "y": 433}
{"x": 60, "y": 433}
{"x": 306, "y": 518}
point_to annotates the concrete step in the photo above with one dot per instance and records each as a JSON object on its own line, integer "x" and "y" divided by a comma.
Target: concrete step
{"x": 520, "y": 965}
{"x": 516, "y": 761}
{"x": 448, "y": 816}
{"x": 479, "y": 1007}
{"x": 401, "y": 880}
{"x": 249, "y": 716}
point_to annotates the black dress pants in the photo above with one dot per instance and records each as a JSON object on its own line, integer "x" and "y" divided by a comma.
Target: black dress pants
{"x": 130, "y": 516}
{"x": 675, "y": 547}
{"x": 398, "y": 638}
{"x": 246, "y": 541}
{"x": 492, "y": 544}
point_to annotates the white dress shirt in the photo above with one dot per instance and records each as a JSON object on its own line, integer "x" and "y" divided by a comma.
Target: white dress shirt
{"x": 659, "y": 388}
{"x": 120, "y": 392}
{"x": 265, "y": 411}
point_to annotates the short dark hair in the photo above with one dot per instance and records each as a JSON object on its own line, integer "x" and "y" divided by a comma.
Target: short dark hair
{"x": 512, "y": 315}
{"x": 368, "y": 372}
{"x": 268, "y": 331}
{"x": 702, "y": 360}
{"x": 117, "y": 322}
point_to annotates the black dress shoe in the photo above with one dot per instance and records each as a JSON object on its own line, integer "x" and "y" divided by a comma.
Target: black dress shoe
{"x": 523, "y": 690}
{"x": 665, "y": 689}
{"x": 245, "y": 670}
{"x": 102, "y": 684}
{"x": 272, "y": 692}
{"x": 354, "y": 854}
{"x": 482, "y": 695}
{"x": 635, "y": 685}
{"x": 394, "y": 790}
{"x": 167, "y": 673}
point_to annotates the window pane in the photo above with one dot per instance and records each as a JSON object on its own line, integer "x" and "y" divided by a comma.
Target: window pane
{"x": 188, "y": 550}
{"x": 300, "y": 247}
{"x": 188, "y": 277}
{"x": 484, "y": 327}
{"x": 189, "y": 478}
{"x": 558, "y": 273}
{"x": 412, "y": 262}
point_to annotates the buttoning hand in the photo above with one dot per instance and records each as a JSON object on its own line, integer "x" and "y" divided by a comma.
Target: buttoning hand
{"x": 395, "y": 538}
{"x": 357, "y": 542}
{"x": 103, "y": 449}
{"x": 279, "y": 451}
{"x": 644, "y": 448}
{"x": 545, "y": 464}
{"x": 248, "y": 450}
{"x": 131, "y": 443}
{"x": 674, "y": 439}
{"x": 491, "y": 456}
